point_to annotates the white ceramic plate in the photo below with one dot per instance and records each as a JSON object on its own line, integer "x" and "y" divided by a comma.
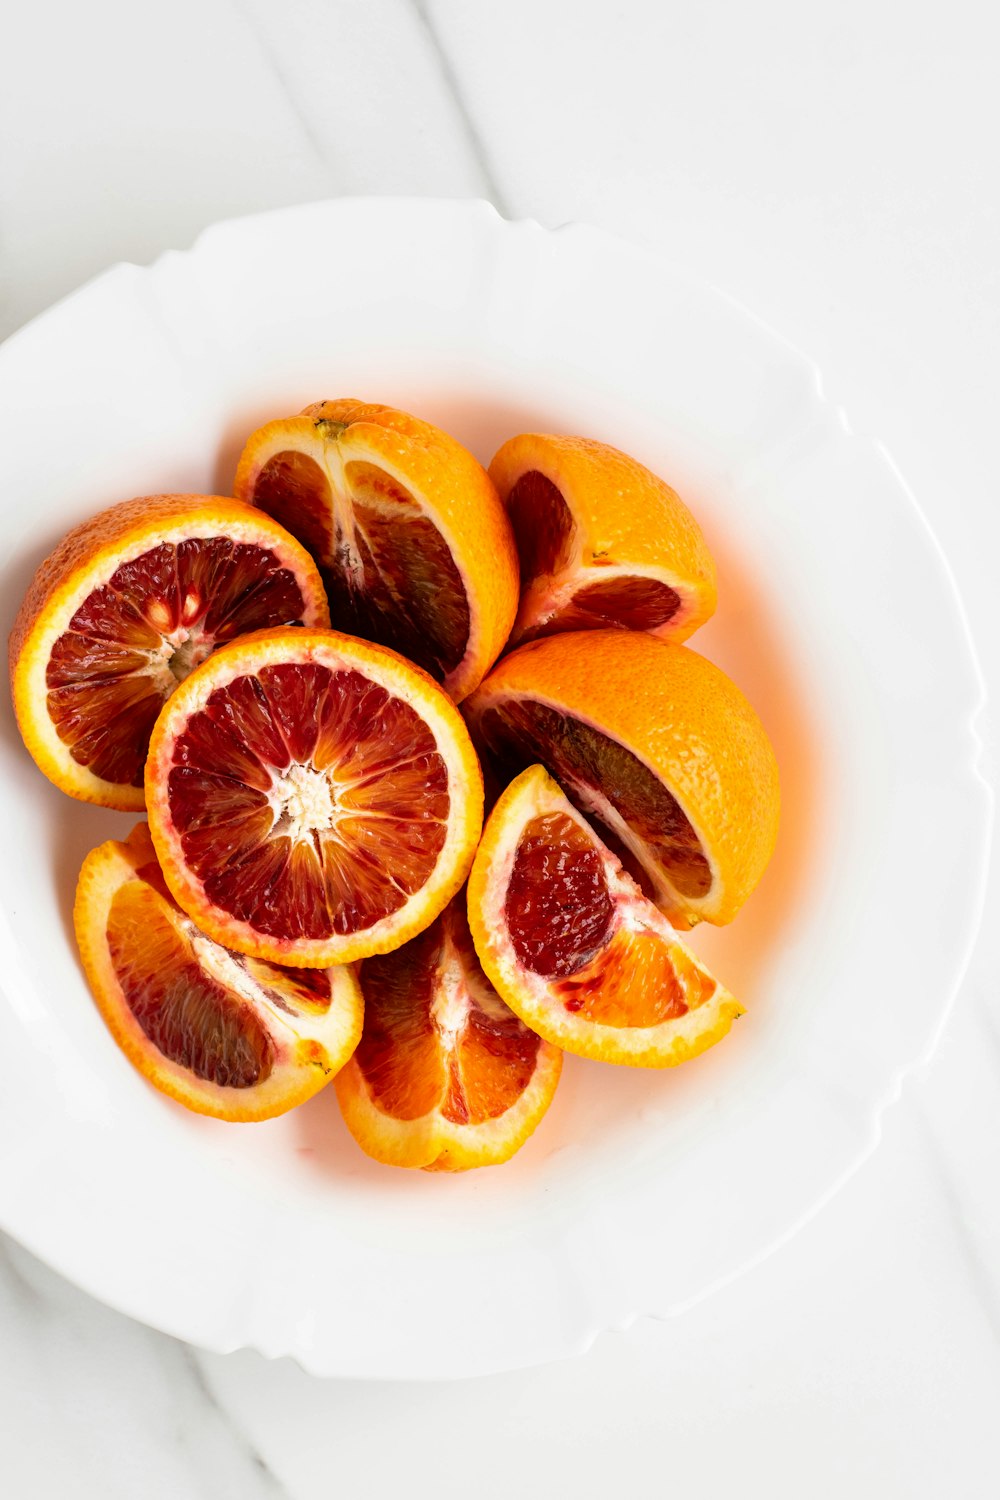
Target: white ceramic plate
{"x": 837, "y": 615}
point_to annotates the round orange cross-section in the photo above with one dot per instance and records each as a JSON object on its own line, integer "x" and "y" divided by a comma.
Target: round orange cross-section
{"x": 313, "y": 798}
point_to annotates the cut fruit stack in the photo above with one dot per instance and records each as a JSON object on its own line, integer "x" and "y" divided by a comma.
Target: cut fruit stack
{"x": 274, "y": 679}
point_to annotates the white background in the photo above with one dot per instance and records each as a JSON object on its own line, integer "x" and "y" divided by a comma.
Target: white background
{"x": 834, "y": 168}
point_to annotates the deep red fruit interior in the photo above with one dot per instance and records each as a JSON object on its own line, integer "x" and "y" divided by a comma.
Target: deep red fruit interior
{"x": 134, "y": 637}
{"x": 522, "y": 732}
{"x": 437, "y": 1034}
{"x": 557, "y": 907}
{"x": 542, "y": 523}
{"x": 635, "y": 603}
{"x": 293, "y": 489}
{"x": 250, "y": 840}
{"x": 389, "y": 573}
{"x": 561, "y": 921}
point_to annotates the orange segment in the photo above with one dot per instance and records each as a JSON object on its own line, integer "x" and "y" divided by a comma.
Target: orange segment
{"x": 123, "y": 609}
{"x": 575, "y": 949}
{"x": 602, "y": 541}
{"x": 656, "y": 745}
{"x": 445, "y": 1076}
{"x": 224, "y": 1035}
{"x": 409, "y": 533}
{"x": 313, "y": 799}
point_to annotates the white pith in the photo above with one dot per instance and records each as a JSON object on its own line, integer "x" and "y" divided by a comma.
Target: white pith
{"x": 221, "y": 965}
{"x": 178, "y": 653}
{"x": 304, "y": 802}
{"x": 460, "y": 991}
{"x": 451, "y": 1005}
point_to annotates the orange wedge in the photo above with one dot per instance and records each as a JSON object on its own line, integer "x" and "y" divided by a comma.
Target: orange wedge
{"x": 122, "y": 610}
{"x": 445, "y": 1077}
{"x": 225, "y": 1035}
{"x": 410, "y": 536}
{"x": 602, "y": 541}
{"x": 656, "y": 745}
{"x": 573, "y": 946}
{"x": 313, "y": 798}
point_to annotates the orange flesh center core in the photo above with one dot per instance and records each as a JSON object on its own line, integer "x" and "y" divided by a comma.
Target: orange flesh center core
{"x": 565, "y": 925}
{"x": 188, "y": 994}
{"x": 308, "y": 800}
{"x": 437, "y": 1035}
{"x": 389, "y": 573}
{"x": 135, "y": 637}
{"x": 604, "y": 780}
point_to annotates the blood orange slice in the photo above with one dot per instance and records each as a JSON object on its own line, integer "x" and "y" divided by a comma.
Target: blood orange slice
{"x": 602, "y": 541}
{"x": 445, "y": 1077}
{"x": 409, "y": 533}
{"x": 656, "y": 745}
{"x": 574, "y": 947}
{"x": 226, "y": 1035}
{"x": 123, "y": 609}
{"x": 313, "y": 798}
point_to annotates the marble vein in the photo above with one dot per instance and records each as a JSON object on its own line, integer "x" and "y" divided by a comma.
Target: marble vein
{"x": 131, "y": 1406}
{"x": 271, "y": 1484}
{"x": 10, "y": 1268}
{"x": 284, "y": 85}
{"x": 980, "y": 1278}
{"x": 451, "y": 81}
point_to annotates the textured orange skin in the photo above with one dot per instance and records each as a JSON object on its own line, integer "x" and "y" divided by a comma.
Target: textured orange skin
{"x": 458, "y": 495}
{"x": 416, "y": 914}
{"x": 105, "y": 536}
{"x": 623, "y": 514}
{"x": 684, "y": 718}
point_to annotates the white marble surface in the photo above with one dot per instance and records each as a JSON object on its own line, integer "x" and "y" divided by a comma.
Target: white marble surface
{"x": 836, "y": 171}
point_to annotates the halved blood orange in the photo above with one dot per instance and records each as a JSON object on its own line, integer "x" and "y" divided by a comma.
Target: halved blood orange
{"x": 411, "y": 538}
{"x": 602, "y": 541}
{"x": 313, "y": 798}
{"x": 574, "y": 947}
{"x": 123, "y": 609}
{"x": 226, "y": 1035}
{"x": 656, "y": 745}
{"x": 445, "y": 1076}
